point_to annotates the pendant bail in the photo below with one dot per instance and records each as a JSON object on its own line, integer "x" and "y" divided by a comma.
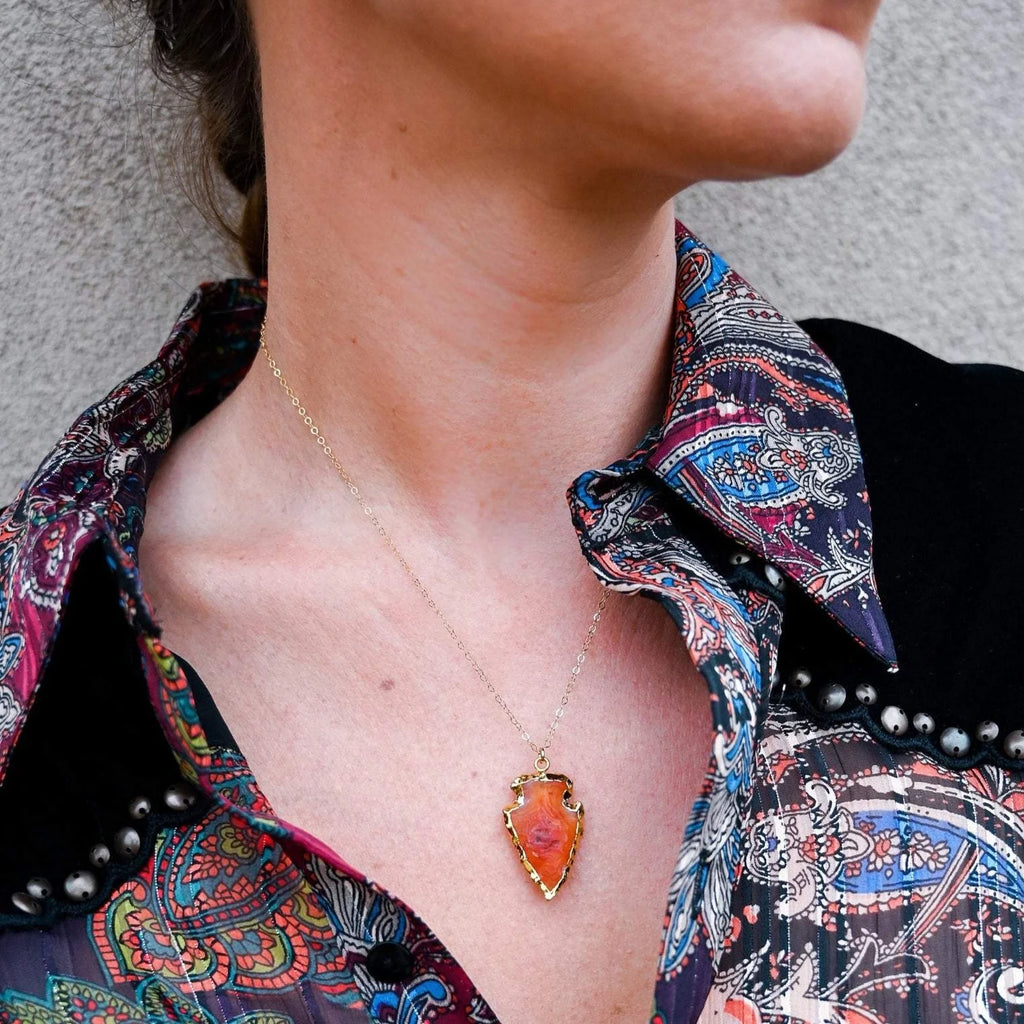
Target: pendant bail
{"x": 542, "y": 764}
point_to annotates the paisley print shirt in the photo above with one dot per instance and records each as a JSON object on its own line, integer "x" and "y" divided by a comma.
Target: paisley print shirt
{"x": 835, "y": 867}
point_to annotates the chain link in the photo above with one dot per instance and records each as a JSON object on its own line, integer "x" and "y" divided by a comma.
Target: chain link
{"x": 539, "y": 749}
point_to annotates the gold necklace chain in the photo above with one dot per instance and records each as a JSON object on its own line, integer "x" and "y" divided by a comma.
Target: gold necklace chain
{"x": 542, "y": 763}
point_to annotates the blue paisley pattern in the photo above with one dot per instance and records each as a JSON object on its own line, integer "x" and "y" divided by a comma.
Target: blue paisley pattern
{"x": 876, "y": 886}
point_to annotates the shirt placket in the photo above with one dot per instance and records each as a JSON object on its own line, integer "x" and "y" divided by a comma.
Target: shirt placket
{"x": 731, "y": 628}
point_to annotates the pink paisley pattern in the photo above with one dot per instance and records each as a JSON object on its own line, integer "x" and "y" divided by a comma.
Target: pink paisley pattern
{"x": 758, "y": 434}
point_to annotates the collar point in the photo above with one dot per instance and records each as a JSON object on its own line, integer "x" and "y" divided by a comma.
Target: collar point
{"x": 137, "y": 608}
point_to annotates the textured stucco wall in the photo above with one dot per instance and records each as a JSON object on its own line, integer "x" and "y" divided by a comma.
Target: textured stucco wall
{"x": 917, "y": 228}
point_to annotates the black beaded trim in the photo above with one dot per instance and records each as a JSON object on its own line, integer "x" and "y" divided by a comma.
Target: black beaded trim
{"x": 750, "y": 575}
{"x": 869, "y": 716}
{"x": 57, "y": 906}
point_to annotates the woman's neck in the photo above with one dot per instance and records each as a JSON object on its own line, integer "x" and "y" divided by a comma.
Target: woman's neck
{"x": 472, "y": 313}
{"x": 471, "y": 352}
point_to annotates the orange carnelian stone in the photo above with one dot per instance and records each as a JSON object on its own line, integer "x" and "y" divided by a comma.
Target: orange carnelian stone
{"x": 546, "y": 828}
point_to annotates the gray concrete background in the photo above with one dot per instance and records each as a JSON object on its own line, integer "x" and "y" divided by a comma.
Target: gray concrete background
{"x": 917, "y": 228}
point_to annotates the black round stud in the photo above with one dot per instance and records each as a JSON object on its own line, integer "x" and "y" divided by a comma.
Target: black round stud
{"x": 26, "y": 904}
{"x": 954, "y": 741}
{"x": 801, "y": 678}
{"x": 866, "y": 693}
{"x": 832, "y": 697}
{"x": 389, "y": 962}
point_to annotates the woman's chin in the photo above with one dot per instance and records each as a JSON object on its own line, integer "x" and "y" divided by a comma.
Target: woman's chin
{"x": 793, "y": 123}
{"x": 808, "y": 148}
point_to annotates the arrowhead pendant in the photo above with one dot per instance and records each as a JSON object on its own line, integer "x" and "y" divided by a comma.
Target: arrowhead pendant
{"x": 545, "y": 828}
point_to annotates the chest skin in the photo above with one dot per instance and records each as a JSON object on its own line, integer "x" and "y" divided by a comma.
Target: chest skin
{"x": 364, "y": 726}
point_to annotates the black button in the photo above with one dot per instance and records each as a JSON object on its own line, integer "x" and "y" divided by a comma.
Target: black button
{"x": 390, "y": 962}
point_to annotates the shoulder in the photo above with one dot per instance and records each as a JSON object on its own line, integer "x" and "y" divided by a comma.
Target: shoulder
{"x": 941, "y": 441}
{"x": 944, "y": 468}
{"x": 887, "y": 376}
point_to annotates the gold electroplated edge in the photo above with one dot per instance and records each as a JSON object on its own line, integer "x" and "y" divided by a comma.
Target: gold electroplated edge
{"x": 517, "y": 787}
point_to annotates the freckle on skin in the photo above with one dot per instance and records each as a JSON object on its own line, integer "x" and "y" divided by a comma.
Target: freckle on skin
{"x": 402, "y": 126}
{"x": 387, "y": 684}
{"x": 353, "y": 340}
{"x": 394, "y": 174}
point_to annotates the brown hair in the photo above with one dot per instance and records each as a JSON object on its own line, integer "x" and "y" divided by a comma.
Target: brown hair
{"x": 205, "y": 49}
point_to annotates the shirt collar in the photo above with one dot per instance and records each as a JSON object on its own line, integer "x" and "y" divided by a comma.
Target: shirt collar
{"x": 757, "y": 436}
